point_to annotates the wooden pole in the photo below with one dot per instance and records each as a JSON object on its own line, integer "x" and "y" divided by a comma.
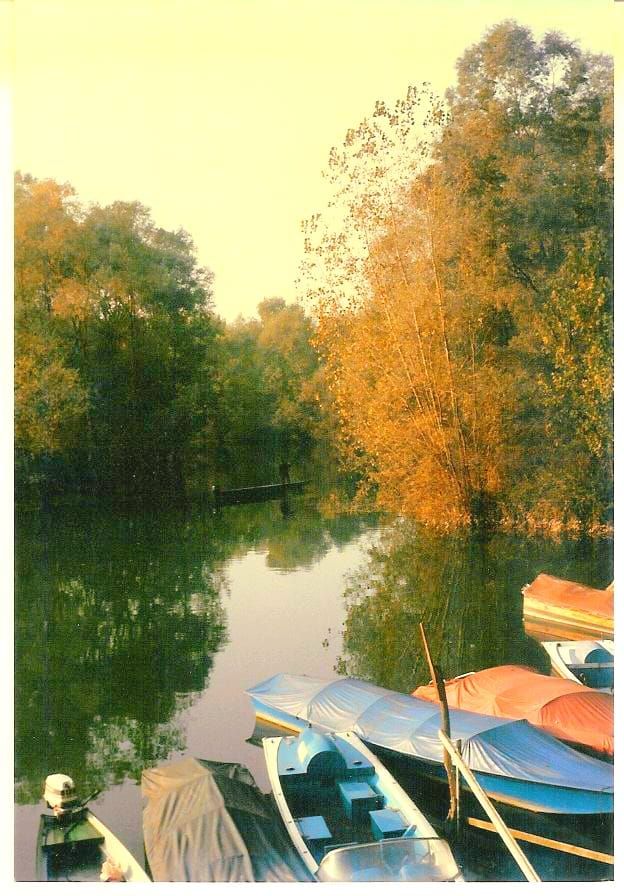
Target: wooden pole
{"x": 438, "y": 680}
{"x": 499, "y": 825}
{"x": 457, "y": 784}
{"x": 558, "y": 845}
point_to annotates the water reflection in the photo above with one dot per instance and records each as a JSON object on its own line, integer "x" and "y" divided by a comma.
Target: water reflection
{"x": 295, "y": 540}
{"x": 115, "y": 619}
{"x": 118, "y": 621}
{"x": 466, "y": 591}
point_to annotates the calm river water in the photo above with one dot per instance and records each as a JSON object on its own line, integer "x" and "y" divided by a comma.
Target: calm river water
{"x": 137, "y": 634}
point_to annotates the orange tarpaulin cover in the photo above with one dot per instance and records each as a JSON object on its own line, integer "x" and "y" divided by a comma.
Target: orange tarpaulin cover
{"x": 560, "y": 593}
{"x": 565, "y": 709}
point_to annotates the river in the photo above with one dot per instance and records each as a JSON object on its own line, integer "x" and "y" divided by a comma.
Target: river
{"x": 138, "y": 633}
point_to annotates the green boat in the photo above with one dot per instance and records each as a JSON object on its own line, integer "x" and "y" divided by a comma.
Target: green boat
{"x": 74, "y": 845}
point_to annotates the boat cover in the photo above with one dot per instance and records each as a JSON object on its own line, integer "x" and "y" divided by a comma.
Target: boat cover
{"x": 409, "y": 725}
{"x": 208, "y": 821}
{"x": 570, "y": 595}
{"x": 564, "y": 708}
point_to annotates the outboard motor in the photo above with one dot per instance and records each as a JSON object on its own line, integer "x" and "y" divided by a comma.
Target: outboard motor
{"x": 60, "y": 795}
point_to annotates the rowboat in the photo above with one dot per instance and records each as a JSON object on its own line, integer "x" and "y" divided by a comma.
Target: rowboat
{"x": 254, "y": 493}
{"x": 515, "y": 763}
{"x": 588, "y": 662}
{"x": 369, "y": 829}
{"x": 567, "y": 709}
{"x": 83, "y": 850}
{"x": 556, "y": 605}
{"x": 73, "y": 844}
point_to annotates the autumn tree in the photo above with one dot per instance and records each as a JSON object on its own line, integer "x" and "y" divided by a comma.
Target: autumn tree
{"x": 114, "y": 342}
{"x": 442, "y": 272}
{"x": 529, "y": 150}
{"x": 50, "y": 400}
{"x": 409, "y": 332}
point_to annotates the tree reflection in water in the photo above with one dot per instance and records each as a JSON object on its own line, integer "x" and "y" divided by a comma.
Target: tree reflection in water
{"x": 467, "y": 592}
{"x": 118, "y": 619}
{"x": 117, "y": 622}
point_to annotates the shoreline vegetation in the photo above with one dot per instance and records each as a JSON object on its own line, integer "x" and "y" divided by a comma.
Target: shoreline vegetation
{"x": 452, "y": 350}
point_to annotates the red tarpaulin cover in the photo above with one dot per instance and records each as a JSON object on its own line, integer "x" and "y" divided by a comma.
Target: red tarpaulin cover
{"x": 570, "y": 595}
{"x": 565, "y": 709}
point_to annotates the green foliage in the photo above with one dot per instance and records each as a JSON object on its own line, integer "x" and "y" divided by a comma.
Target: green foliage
{"x": 124, "y": 376}
{"x": 115, "y": 342}
{"x": 273, "y": 382}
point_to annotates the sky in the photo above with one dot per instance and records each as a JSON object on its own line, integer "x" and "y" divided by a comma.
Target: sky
{"x": 219, "y": 115}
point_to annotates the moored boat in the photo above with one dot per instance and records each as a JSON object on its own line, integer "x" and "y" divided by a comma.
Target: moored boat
{"x": 564, "y": 708}
{"x": 515, "y": 763}
{"x": 556, "y": 605}
{"x": 208, "y": 821}
{"x": 346, "y": 815}
{"x": 73, "y": 844}
{"x": 588, "y": 662}
{"x": 255, "y": 493}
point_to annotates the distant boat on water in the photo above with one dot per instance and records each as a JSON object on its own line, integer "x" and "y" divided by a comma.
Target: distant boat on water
{"x": 250, "y": 494}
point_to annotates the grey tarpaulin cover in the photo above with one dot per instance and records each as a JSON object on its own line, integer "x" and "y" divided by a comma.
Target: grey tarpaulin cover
{"x": 409, "y": 725}
{"x": 208, "y": 821}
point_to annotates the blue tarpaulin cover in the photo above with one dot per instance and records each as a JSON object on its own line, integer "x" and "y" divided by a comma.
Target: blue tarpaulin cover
{"x": 409, "y": 725}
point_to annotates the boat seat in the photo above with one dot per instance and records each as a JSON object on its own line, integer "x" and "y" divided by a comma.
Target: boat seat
{"x": 313, "y": 828}
{"x": 312, "y": 756}
{"x": 387, "y": 823}
{"x": 358, "y": 799}
{"x": 358, "y": 770}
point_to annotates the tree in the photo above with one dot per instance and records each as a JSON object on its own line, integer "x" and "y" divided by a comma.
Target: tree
{"x": 529, "y": 152}
{"x": 436, "y": 265}
{"x": 50, "y": 400}
{"x": 272, "y": 380}
{"x": 291, "y": 370}
{"x": 409, "y": 331}
{"x": 121, "y": 319}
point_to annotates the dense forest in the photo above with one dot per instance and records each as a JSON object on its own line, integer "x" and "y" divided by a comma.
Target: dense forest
{"x": 127, "y": 383}
{"x": 454, "y": 339}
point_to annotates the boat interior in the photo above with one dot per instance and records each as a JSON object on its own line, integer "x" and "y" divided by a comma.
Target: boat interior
{"x": 72, "y": 852}
{"x": 596, "y": 670}
{"x": 335, "y": 796}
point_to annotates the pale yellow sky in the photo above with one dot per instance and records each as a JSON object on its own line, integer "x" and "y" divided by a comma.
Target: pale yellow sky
{"x": 219, "y": 114}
